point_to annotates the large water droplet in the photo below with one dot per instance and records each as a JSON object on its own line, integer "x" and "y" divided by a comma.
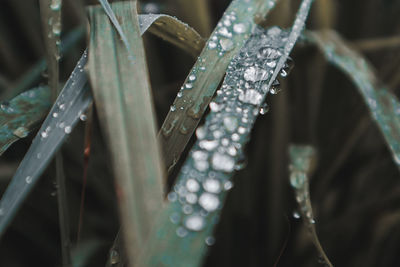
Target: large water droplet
{"x": 212, "y": 186}
{"x": 254, "y": 74}
{"x": 226, "y": 44}
{"x": 251, "y": 96}
{"x": 195, "y": 223}
{"x": 231, "y": 123}
{"x": 209, "y": 202}
{"x": 192, "y": 185}
{"x": 222, "y": 162}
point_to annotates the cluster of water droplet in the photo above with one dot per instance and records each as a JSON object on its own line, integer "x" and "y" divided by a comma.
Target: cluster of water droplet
{"x": 205, "y": 177}
{"x": 225, "y": 30}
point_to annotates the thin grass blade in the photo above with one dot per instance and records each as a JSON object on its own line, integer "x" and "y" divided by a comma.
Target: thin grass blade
{"x": 383, "y": 105}
{"x": 73, "y": 100}
{"x": 124, "y": 103}
{"x": 207, "y": 73}
{"x": 22, "y": 114}
{"x": 302, "y": 159}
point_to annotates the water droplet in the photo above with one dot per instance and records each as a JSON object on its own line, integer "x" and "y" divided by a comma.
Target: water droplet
{"x": 201, "y": 132}
{"x": 222, "y": 162}
{"x": 55, "y": 5}
{"x": 195, "y": 223}
{"x": 208, "y": 144}
{"x": 212, "y": 186}
{"x": 239, "y": 28}
{"x": 187, "y": 209}
{"x": 28, "y": 179}
{"x": 212, "y": 45}
{"x": 114, "y": 257}
{"x": 226, "y": 44}
{"x": 172, "y": 108}
{"x": 209, "y": 202}
{"x": 181, "y": 232}
{"x": 191, "y": 198}
{"x": 210, "y": 240}
{"x": 228, "y": 185}
{"x": 275, "y": 87}
{"x": 83, "y": 117}
{"x": 192, "y": 77}
{"x": 268, "y": 52}
{"x": 44, "y": 134}
{"x": 192, "y": 185}
{"x": 189, "y": 86}
{"x": 172, "y": 197}
{"x": 57, "y": 28}
{"x": 67, "y": 129}
{"x": 175, "y": 218}
{"x": 296, "y": 215}
{"x": 224, "y": 32}
{"x": 254, "y": 74}
{"x": 215, "y": 107}
{"x": 297, "y": 179}
{"x": 251, "y": 96}
{"x": 264, "y": 109}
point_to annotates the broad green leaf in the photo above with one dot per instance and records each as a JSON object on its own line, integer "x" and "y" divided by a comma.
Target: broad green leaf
{"x": 382, "y": 104}
{"x": 124, "y": 103}
{"x": 22, "y": 114}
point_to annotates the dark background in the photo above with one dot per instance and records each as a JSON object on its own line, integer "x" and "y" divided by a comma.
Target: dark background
{"x": 355, "y": 188}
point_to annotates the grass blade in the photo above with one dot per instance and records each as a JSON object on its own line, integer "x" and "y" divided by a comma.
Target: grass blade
{"x": 206, "y": 75}
{"x": 110, "y": 13}
{"x": 382, "y": 104}
{"x": 123, "y": 99}
{"x": 173, "y": 31}
{"x": 73, "y": 100}
{"x": 51, "y": 22}
{"x": 185, "y": 228}
{"x": 22, "y": 114}
{"x": 301, "y": 165}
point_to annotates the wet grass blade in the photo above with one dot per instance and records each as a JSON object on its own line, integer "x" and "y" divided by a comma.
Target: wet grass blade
{"x": 207, "y": 73}
{"x": 22, "y": 114}
{"x": 51, "y": 22}
{"x": 173, "y": 31}
{"x": 73, "y": 100}
{"x": 183, "y": 231}
{"x": 302, "y": 158}
{"x": 382, "y": 104}
{"x": 124, "y": 103}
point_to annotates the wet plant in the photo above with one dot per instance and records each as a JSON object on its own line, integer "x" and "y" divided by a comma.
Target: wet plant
{"x": 169, "y": 136}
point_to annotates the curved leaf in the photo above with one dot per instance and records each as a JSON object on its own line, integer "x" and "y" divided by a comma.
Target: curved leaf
{"x": 382, "y": 104}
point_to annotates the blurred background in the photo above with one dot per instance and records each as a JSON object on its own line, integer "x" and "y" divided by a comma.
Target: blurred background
{"x": 355, "y": 188}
